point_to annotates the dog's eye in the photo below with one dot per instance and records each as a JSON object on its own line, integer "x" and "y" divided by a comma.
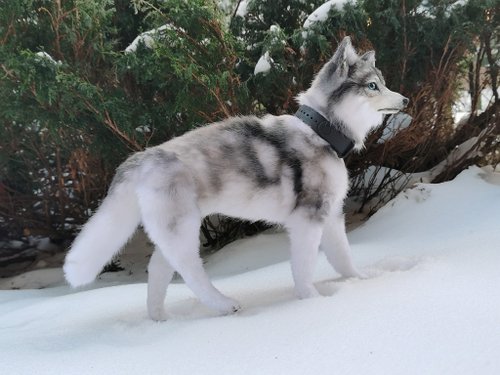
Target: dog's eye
{"x": 372, "y": 86}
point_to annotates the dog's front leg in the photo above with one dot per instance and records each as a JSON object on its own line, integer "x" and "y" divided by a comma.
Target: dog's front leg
{"x": 305, "y": 237}
{"x": 336, "y": 247}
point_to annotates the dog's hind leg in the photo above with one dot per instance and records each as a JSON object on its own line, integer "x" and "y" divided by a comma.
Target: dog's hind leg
{"x": 160, "y": 273}
{"x": 171, "y": 218}
{"x": 336, "y": 246}
{"x": 180, "y": 247}
{"x": 305, "y": 237}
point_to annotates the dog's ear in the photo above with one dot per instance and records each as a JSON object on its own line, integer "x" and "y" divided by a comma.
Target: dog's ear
{"x": 347, "y": 50}
{"x": 338, "y": 66}
{"x": 344, "y": 56}
{"x": 369, "y": 57}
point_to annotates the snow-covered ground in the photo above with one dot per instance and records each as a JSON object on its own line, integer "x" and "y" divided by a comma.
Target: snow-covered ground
{"x": 462, "y": 108}
{"x": 431, "y": 304}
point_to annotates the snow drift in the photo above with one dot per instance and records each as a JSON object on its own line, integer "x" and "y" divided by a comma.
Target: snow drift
{"x": 430, "y": 306}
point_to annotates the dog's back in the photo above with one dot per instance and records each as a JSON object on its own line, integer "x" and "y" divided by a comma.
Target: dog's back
{"x": 260, "y": 169}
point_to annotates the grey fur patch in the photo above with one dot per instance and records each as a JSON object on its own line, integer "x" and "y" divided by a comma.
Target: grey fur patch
{"x": 359, "y": 75}
{"x": 164, "y": 173}
{"x": 352, "y": 70}
{"x": 313, "y": 205}
{"x": 250, "y": 129}
{"x": 308, "y": 199}
{"x": 330, "y": 68}
{"x": 320, "y": 151}
{"x": 179, "y": 178}
{"x": 257, "y": 153}
{"x": 342, "y": 90}
{"x": 159, "y": 156}
{"x": 134, "y": 161}
{"x": 126, "y": 168}
{"x": 172, "y": 224}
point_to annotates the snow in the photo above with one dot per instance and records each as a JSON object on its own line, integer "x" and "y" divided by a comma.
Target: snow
{"x": 242, "y": 8}
{"x": 228, "y": 7}
{"x": 143, "y": 129}
{"x": 149, "y": 38}
{"x": 374, "y": 176}
{"x": 274, "y": 29}
{"x": 264, "y": 64}
{"x": 321, "y": 13}
{"x": 462, "y": 107}
{"x": 396, "y": 122}
{"x": 430, "y": 305}
{"x": 424, "y": 8}
{"x": 46, "y": 57}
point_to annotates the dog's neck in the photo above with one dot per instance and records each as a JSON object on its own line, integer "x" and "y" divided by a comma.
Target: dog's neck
{"x": 330, "y": 132}
{"x": 317, "y": 102}
{"x": 357, "y": 120}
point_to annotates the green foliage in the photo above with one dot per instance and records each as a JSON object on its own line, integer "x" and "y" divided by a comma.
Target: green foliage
{"x": 76, "y": 102}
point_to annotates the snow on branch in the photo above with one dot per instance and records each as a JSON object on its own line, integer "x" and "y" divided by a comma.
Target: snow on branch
{"x": 321, "y": 13}
{"x": 264, "y": 64}
{"x": 45, "y": 56}
{"x": 148, "y": 38}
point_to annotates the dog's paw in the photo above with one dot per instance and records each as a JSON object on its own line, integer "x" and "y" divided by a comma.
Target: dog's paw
{"x": 226, "y": 306}
{"x": 305, "y": 293}
{"x": 157, "y": 314}
{"x": 232, "y": 308}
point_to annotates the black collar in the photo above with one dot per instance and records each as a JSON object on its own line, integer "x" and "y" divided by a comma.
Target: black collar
{"x": 341, "y": 144}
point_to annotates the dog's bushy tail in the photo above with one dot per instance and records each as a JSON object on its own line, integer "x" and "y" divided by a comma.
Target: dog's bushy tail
{"x": 107, "y": 231}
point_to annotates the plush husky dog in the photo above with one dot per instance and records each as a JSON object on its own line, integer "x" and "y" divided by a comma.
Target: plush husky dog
{"x": 283, "y": 169}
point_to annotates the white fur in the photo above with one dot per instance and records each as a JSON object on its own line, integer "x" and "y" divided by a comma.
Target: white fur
{"x": 107, "y": 230}
{"x": 357, "y": 110}
{"x": 171, "y": 187}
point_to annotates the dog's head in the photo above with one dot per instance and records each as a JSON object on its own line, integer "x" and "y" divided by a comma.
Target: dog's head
{"x": 347, "y": 75}
{"x": 350, "y": 88}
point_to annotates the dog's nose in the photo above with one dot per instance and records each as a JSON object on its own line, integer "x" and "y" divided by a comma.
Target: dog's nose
{"x": 406, "y": 101}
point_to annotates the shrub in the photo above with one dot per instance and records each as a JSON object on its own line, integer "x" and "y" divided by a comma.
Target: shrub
{"x": 76, "y": 104}
{"x": 77, "y": 100}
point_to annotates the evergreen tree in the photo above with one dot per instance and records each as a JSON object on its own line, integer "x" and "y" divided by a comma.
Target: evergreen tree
{"x": 84, "y": 83}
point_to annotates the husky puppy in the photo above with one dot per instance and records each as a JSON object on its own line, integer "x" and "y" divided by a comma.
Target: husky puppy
{"x": 283, "y": 169}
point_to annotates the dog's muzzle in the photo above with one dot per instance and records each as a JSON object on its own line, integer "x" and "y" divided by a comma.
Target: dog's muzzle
{"x": 390, "y": 110}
